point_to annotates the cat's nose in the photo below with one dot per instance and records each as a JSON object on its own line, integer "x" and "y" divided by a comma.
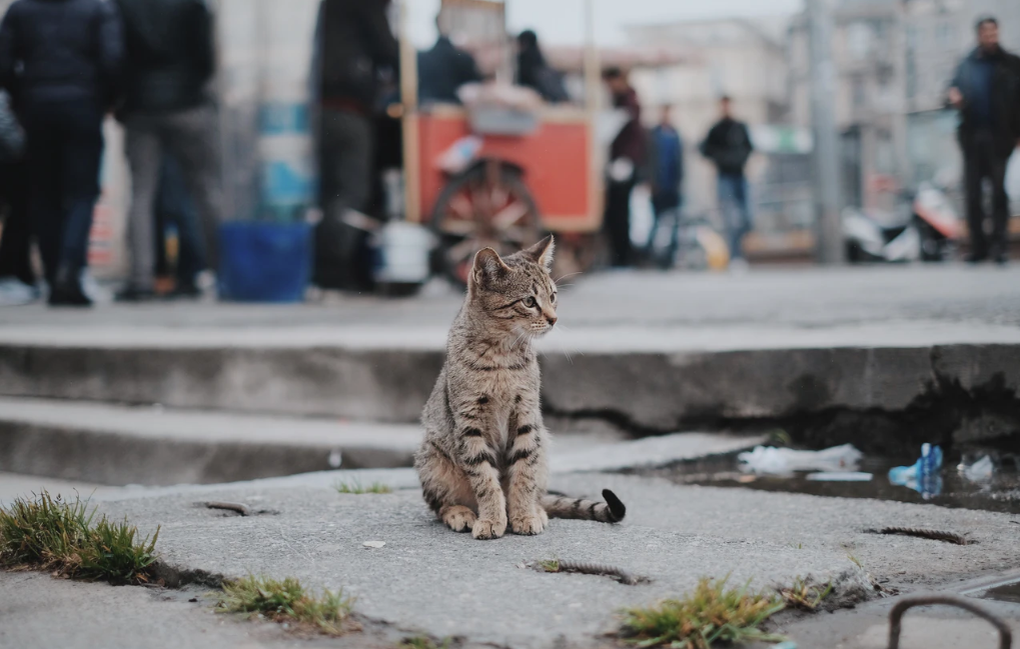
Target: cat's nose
{"x": 551, "y": 319}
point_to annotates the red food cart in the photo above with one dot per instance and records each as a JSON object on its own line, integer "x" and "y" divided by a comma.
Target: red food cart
{"x": 522, "y": 172}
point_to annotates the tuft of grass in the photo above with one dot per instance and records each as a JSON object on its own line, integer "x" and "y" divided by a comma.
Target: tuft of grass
{"x": 550, "y": 565}
{"x": 804, "y": 594}
{"x": 711, "y": 614}
{"x": 287, "y": 601}
{"x": 355, "y": 487}
{"x": 424, "y": 642}
{"x": 51, "y": 533}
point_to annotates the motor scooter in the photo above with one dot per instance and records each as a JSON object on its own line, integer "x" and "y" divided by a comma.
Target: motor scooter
{"x": 924, "y": 227}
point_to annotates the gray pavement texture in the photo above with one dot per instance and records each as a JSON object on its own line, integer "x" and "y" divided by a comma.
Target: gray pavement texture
{"x": 430, "y": 579}
{"x": 651, "y": 352}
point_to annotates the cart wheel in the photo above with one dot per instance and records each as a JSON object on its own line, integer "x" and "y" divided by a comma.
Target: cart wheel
{"x": 486, "y": 206}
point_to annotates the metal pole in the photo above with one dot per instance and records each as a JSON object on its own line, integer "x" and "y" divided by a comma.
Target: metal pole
{"x": 830, "y": 247}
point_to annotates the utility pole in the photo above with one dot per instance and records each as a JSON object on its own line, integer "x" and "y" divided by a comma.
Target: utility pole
{"x": 830, "y": 246}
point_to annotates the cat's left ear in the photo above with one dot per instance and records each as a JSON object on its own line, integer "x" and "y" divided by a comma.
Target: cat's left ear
{"x": 542, "y": 252}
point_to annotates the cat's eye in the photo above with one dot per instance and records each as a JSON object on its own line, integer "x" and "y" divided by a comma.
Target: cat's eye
{"x": 530, "y": 302}
{"x": 552, "y": 298}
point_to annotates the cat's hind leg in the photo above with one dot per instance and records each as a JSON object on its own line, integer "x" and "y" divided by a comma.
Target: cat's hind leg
{"x": 446, "y": 489}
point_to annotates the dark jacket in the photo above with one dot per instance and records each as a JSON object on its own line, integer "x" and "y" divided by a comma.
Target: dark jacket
{"x": 170, "y": 54}
{"x": 1005, "y": 97}
{"x": 728, "y": 145}
{"x": 631, "y": 141}
{"x": 533, "y": 72}
{"x": 665, "y": 178}
{"x": 442, "y": 70}
{"x": 61, "y": 50}
{"x": 353, "y": 44}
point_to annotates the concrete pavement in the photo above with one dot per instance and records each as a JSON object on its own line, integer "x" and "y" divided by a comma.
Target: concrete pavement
{"x": 904, "y": 352}
{"x": 428, "y": 579}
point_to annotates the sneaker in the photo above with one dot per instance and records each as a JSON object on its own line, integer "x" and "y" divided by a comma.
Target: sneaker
{"x": 133, "y": 295}
{"x": 69, "y": 294}
{"x": 14, "y": 292}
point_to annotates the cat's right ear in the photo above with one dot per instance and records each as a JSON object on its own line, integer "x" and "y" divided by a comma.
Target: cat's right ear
{"x": 488, "y": 266}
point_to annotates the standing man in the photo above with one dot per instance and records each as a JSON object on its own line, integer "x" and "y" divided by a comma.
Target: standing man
{"x": 170, "y": 60}
{"x": 986, "y": 91}
{"x": 443, "y": 69}
{"x": 728, "y": 146}
{"x": 17, "y": 279}
{"x": 626, "y": 155}
{"x": 667, "y": 179}
{"x": 354, "y": 45}
{"x": 61, "y": 61}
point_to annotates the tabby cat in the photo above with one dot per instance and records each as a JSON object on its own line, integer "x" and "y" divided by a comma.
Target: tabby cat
{"x": 483, "y": 463}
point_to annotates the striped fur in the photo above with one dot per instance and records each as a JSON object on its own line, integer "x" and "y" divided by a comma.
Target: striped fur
{"x": 483, "y": 464}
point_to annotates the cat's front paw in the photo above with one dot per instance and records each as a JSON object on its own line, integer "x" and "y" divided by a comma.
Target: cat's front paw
{"x": 529, "y": 524}
{"x": 485, "y": 529}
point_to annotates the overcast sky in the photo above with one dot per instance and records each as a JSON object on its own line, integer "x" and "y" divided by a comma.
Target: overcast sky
{"x": 560, "y": 21}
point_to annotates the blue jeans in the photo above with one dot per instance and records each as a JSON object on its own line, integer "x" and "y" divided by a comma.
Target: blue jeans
{"x": 665, "y": 207}
{"x": 174, "y": 205}
{"x": 735, "y": 209}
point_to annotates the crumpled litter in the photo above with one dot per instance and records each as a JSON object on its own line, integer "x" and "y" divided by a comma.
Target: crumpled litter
{"x": 924, "y": 475}
{"x": 980, "y": 471}
{"x": 783, "y": 461}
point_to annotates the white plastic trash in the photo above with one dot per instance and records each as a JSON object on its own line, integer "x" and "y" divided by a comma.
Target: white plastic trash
{"x": 783, "y": 461}
{"x": 404, "y": 250}
{"x": 980, "y": 471}
{"x": 840, "y": 476}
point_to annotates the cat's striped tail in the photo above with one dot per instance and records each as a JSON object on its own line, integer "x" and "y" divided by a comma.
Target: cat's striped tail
{"x": 610, "y": 511}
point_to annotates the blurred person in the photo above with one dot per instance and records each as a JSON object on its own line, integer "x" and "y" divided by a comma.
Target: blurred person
{"x": 175, "y": 207}
{"x": 170, "y": 61}
{"x": 17, "y": 278}
{"x": 666, "y": 176}
{"x": 533, "y": 71}
{"x": 61, "y": 59}
{"x": 728, "y": 146}
{"x": 986, "y": 92}
{"x": 354, "y": 45}
{"x": 445, "y": 68}
{"x": 626, "y": 155}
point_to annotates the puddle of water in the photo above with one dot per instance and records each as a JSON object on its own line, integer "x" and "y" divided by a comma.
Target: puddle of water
{"x": 1007, "y": 593}
{"x": 1000, "y": 493}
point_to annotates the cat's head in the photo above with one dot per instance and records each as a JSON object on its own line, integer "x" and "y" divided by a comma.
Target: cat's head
{"x": 516, "y": 293}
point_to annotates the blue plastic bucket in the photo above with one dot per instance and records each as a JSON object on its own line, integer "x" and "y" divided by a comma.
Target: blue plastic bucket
{"x": 264, "y": 262}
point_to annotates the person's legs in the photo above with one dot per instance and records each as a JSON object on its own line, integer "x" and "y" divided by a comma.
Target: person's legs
{"x": 731, "y": 212}
{"x": 83, "y": 153}
{"x": 743, "y": 213}
{"x": 16, "y": 239}
{"x": 347, "y": 152}
{"x": 1000, "y": 207}
{"x": 973, "y": 181}
{"x": 175, "y": 205}
{"x": 44, "y": 149}
{"x": 618, "y": 221}
{"x": 192, "y": 141}
{"x": 144, "y": 151}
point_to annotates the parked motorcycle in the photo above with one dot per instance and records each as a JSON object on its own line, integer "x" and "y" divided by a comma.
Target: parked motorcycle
{"x": 925, "y": 227}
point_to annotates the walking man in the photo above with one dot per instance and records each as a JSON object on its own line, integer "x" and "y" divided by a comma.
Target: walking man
{"x": 728, "y": 146}
{"x": 667, "y": 178}
{"x": 170, "y": 60}
{"x": 61, "y": 61}
{"x": 986, "y": 92}
{"x": 17, "y": 278}
{"x": 627, "y": 155}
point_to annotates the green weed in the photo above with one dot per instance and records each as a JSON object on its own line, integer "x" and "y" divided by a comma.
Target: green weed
{"x": 287, "y": 601}
{"x": 355, "y": 487}
{"x": 550, "y": 565}
{"x": 708, "y": 615}
{"x": 804, "y": 594}
{"x": 424, "y": 642}
{"x": 50, "y": 533}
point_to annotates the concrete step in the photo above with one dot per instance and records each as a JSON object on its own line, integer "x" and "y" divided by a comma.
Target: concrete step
{"x": 118, "y": 445}
{"x": 886, "y": 378}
